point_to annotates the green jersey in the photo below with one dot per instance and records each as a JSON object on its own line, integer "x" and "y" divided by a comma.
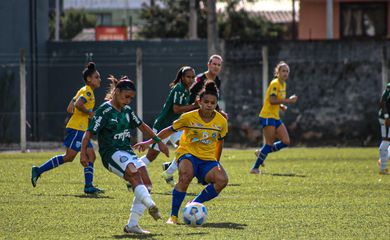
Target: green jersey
{"x": 113, "y": 129}
{"x": 386, "y": 98}
{"x": 179, "y": 95}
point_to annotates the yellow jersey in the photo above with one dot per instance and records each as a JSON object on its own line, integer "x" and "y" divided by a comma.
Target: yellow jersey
{"x": 275, "y": 88}
{"x": 79, "y": 120}
{"x": 199, "y": 138}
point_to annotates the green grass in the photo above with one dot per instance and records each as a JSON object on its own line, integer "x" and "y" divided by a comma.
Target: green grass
{"x": 306, "y": 193}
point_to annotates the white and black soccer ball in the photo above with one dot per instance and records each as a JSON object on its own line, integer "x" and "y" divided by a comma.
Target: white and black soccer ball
{"x": 194, "y": 214}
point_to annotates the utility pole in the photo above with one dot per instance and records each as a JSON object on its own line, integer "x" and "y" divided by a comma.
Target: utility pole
{"x": 212, "y": 30}
{"x": 57, "y": 22}
{"x": 193, "y": 31}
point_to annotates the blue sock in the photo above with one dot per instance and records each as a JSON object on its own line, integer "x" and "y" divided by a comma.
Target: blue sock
{"x": 262, "y": 155}
{"x": 277, "y": 146}
{"x": 207, "y": 194}
{"x": 177, "y": 199}
{"x": 88, "y": 174}
{"x": 52, "y": 163}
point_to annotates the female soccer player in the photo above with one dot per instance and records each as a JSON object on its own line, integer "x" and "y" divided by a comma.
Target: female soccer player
{"x": 81, "y": 108}
{"x": 199, "y": 151}
{"x": 273, "y": 127}
{"x": 176, "y": 103}
{"x": 112, "y": 123}
{"x": 384, "y": 121}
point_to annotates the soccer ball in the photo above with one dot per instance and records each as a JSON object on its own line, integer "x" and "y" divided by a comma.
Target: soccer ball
{"x": 194, "y": 214}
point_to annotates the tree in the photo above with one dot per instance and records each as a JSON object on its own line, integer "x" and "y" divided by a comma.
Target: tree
{"x": 72, "y": 22}
{"x": 170, "y": 19}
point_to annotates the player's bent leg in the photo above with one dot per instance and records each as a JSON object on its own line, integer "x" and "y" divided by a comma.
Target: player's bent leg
{"x": 54, "y": 162}
{"x": 218, "y": 180}
{"x": 89, "y": 188}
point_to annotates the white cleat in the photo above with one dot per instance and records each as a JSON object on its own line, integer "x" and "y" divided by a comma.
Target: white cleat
{"x": 135, "y": 229}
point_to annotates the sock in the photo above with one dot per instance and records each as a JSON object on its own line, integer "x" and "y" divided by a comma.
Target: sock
{"x": 278, "y": 146}
{"x": 142, "y": 193}
{"x": 52, "y": 163}
{"x": 207, "y": 194}
{"x": 383, "y": 153}
{"x": 177, "y": 199}
{"x": 173, "y": 167}
{"x": 136, "y": 211}
{"x": 88, "y": 174}
{"x": 262, "y": 155}
{"x": 145, "y": 160}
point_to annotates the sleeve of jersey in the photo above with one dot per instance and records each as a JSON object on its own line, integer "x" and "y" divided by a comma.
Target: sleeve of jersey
{"x": 386, "y": 94}
{"x": 224, "y": 130}
{"x": 180, "y": 123}
{"x": 274, "y": 89}
{"x": 136, "y": 121}
{"x": 85, "y": 95}
{"x": 97, "y": 122}
{"x": 178, "y": 97}
{"x": 195, "y": 89}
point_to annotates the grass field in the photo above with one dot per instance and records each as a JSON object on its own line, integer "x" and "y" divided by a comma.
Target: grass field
{"x": 306, "y": 193}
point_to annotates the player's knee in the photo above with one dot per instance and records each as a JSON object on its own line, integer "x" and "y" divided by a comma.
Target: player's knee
{"x": 222, "y": 181}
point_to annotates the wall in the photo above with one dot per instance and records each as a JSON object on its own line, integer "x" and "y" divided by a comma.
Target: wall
{"x": 338, "y": 85}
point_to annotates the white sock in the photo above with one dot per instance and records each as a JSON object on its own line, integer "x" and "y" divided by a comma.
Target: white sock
{"x": 145, "y": 160}
{"x": 136, "y": 211}
{"x": 142, "y": 193}
{"x": 173, "y": 167}
{"x": 383, "y": 153}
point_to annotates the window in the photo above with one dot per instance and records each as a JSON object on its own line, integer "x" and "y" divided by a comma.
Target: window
{"x": 363, "y": 20}
{"x": 104, "y": 19}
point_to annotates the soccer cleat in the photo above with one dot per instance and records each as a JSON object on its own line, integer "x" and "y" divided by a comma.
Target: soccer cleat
{"x": 168, "y": 178}
{"x": 255, "y": 171}
{"x": 135, "y": 229}
{"x": 384, "y": 172}
{"x": 166, "y": 165}
{"x": 154, "y": 212}
{"x": 172, "y": 220}
{"x": 93, "y": 190}
{"x": 34, "y": 175}
{"x": 257, "y": 152}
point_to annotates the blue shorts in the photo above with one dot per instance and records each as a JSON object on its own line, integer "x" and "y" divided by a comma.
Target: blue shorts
{"x": 270, "y": 122}
{"x": 201, "y": 167}
{"x": 73, "y": 139}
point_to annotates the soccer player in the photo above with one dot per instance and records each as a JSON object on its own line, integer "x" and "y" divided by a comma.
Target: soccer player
{"x": 384, "y": 121}
{"x": 214, "y": 67}
{"x": 199, "y": 151}
{"x": 81, "y": 107}
{"x": 273, "y": 126}
{"x": 176, "y": 103}
{"x": 112, "y": 123}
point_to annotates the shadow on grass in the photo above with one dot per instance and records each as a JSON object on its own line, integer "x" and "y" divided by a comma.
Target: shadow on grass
{"x": 229, "y": 225}
{"x": 86, "y": 196}
{"x": 191, "y": 234}
{"x": 170, "y": 193}
{"x": 136, "y": 236}
{"x": 234, "y": 184}
{"x": 285, "y": 175}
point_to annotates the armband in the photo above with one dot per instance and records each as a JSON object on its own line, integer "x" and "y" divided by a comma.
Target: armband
{"x": 156, "y": 139}
{"x": 386, "y": 115}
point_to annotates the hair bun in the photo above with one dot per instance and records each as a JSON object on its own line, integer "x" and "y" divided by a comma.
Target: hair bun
{"x": 91, "y": 66}
{"x": 210, "y": 86}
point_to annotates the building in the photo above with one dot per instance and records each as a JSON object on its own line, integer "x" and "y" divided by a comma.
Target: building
{"x": 356, "y": 19}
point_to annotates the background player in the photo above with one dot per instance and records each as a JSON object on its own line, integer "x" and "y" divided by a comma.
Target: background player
{"x": 81, "y": 108}
{"x": 176, "y": 103}
{"x": 273, "y": 126}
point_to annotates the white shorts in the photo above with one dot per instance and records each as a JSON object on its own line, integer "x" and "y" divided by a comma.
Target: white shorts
{"x": 174, "y": 138}
{"x": 385, "y": 131}
{"x": 120, "y": 160}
